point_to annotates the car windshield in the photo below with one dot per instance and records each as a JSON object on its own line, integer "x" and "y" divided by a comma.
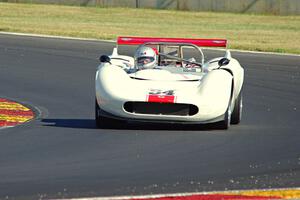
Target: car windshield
{"x": 179, "y": 56}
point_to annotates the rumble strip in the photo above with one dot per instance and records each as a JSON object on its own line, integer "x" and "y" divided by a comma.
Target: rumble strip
{"x": 12, "y": 113}
{"x": 262, "y": 194}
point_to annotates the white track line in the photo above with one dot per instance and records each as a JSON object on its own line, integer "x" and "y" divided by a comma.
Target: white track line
{"x": 176, "y": 194}
{"x": 55, "y": 37}
{"x": 113, "y": 41}
{"x": 5, "y": 127}
{"x": 258, "y": 52}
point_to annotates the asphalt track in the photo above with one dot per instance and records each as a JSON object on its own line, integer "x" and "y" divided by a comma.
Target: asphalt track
{"x": 62, "y": 154}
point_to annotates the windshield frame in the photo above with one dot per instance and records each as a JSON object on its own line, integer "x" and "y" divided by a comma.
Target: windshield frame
{"x": 180, "y": 45}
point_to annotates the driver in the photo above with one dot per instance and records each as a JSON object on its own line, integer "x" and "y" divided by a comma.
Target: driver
{"x": 145, "y": 58}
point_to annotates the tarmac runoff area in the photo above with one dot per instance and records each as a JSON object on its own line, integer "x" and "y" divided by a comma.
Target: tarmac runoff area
{"x": 13, "y": 113}
{"x": 267, "y": 136}
{"x": 284, "y": 193}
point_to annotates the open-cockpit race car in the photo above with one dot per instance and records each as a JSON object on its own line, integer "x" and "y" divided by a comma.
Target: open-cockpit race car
{"x": 168, "y": 81}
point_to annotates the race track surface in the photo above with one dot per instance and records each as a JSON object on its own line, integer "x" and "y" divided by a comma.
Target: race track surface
{"x": 62, "y": 154}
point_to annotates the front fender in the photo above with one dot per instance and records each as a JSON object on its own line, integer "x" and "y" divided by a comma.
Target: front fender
{"x": 238, "y": 76}
{"x": 111, "y": 82}
{"x": 216, "y": 91}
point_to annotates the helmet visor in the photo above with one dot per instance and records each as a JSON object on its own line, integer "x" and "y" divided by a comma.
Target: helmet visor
{"x": 145, "y": 60}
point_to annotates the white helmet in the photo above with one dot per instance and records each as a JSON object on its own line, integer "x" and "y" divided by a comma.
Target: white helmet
{"x": 145, "y": 58}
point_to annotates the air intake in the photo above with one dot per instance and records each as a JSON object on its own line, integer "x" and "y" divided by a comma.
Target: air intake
{"x": 153, "y": 108}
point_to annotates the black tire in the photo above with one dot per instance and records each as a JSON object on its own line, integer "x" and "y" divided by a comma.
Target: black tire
{"x": 105, "y": 122}
{"x": 238, "y": 109}
{"x": 225, "y": 124}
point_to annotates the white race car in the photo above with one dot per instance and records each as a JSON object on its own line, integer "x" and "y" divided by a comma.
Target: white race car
{"x": 179, "y": 88}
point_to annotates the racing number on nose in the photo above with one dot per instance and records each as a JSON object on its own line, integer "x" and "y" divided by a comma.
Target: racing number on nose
{"x": 161, "y": 92}
{"x": 161, "y": 96}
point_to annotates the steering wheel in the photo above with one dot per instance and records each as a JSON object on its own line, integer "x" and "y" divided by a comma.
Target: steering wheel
{"x": 181, "y": 59}
{"x": 191, "y": 64}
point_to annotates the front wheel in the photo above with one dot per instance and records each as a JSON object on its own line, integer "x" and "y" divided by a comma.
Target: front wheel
{"x": 105, "y": 122}
{"x": 225, "y": 124}
{"x": 238, "y": 109}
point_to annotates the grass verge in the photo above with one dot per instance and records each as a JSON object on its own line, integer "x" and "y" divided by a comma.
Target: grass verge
{"x": 244, "y": 31}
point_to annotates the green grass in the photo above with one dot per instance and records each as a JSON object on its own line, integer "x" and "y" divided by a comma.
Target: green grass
{"x": 244, "y": 31}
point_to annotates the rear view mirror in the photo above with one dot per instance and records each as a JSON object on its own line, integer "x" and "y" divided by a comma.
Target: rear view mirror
{"x": 223, "y": 62}
{"x": 105, "y": 59}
